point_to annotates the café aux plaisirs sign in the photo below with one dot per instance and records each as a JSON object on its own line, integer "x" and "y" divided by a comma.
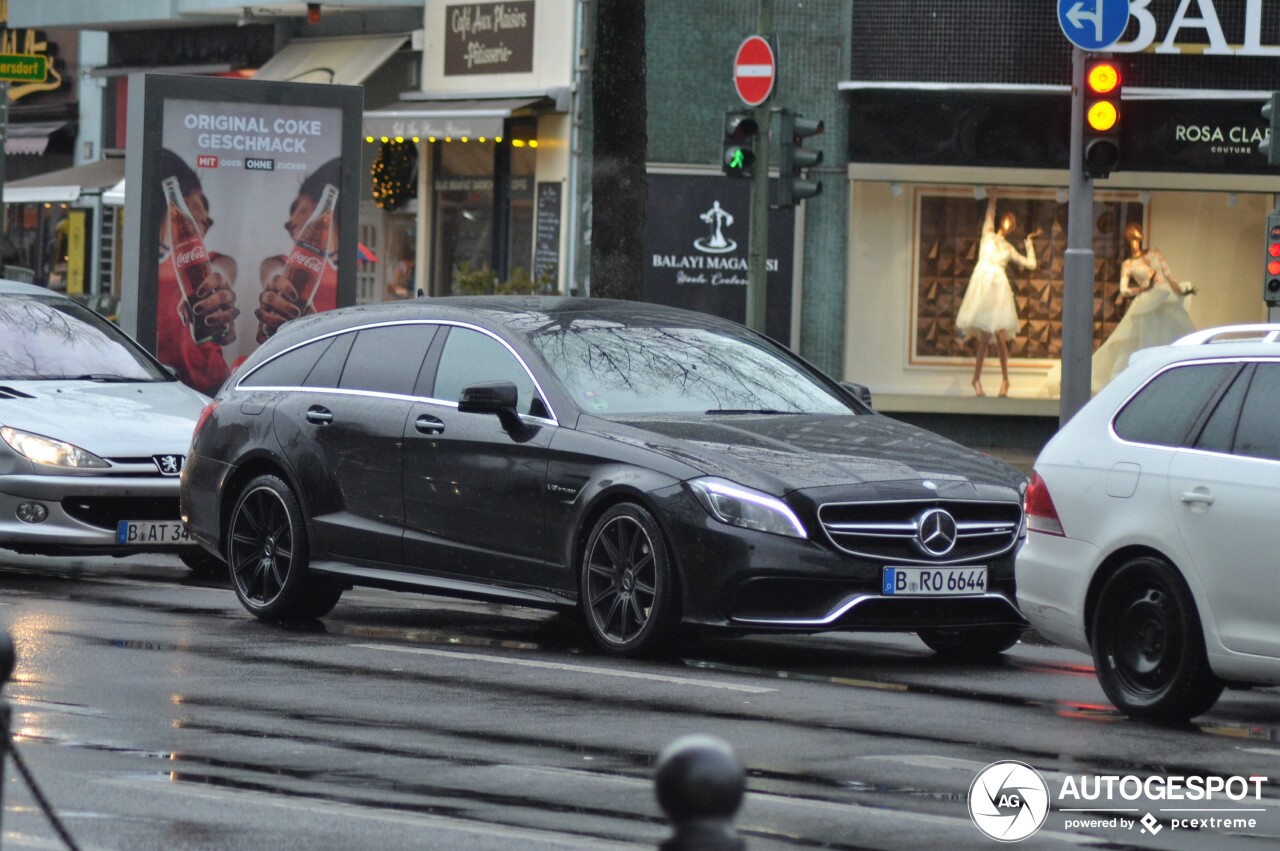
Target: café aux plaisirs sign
{"x": 1199, "y": 16}
{"x": 489, "y": 38}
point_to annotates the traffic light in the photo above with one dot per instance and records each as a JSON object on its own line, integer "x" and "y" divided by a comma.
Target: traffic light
{"x": 1268, "y": 147}
{"x": 740, "y": 130}
{"x": 794, "y": 159}
{"x": 1271, "y": 280}
{"x": 1102, "y": 79}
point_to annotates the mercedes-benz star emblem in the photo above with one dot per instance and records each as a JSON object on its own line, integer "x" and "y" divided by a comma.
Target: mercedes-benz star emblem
{"x": 169, "y": 465}
{"x": 936, "y": 532}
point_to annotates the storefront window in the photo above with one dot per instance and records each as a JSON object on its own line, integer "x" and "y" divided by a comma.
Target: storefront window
{"x": 39, "y": 241}
{"x": 949, "y": 249}
{"x": 484, "y": 214}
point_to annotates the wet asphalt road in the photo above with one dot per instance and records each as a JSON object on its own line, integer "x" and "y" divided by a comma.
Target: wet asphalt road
{"x": 155, "y": 714}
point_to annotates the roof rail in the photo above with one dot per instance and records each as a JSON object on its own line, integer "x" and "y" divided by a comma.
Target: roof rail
{"x": 1261, "y": 333}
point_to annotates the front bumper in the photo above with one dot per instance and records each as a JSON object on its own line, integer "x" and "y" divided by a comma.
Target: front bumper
{"x": 754, "y": 581}
{"x": 83, "y": 512}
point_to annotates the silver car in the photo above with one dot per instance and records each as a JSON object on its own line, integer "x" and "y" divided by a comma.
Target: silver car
{"x": 93, "y": 433}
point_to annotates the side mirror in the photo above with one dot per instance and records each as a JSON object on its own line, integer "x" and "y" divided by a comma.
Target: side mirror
{"x": 861, "y": 392}
{"x": 492, "y": 397}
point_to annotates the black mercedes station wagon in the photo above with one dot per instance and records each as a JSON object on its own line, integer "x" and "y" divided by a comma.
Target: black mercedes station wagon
{"x": 651, "y": 467}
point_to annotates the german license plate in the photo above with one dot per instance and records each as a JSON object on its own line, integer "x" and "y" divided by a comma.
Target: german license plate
{"x": 934, "y": 581}
{"x": 144, "y": 532}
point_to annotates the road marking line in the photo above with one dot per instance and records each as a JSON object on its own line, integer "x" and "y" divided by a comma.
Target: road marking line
{"x": 563, "y": 666}
{"x": 371, "y": 812}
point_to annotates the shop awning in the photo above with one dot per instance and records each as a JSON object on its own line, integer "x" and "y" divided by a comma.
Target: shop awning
{"x": 30, "y": 138}
{"x": 66, "y": 185}
{"x": 114, "y": 197}
{"x": 345, "y": 61}
{"x": 443, "y": 118}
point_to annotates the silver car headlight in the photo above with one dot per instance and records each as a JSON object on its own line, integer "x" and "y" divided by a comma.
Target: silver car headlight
{"x": 741, "y": 506}
{"x": 46, "y": 450}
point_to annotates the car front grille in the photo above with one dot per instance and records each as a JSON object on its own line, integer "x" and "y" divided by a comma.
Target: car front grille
{"x": 106, "y": 511}
{"x": 890, "y": 531}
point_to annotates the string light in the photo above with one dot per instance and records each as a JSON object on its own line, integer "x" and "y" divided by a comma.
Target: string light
{"x": 394, "y": 175}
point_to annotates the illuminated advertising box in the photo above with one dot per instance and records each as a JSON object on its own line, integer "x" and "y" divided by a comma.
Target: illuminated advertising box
{"x": 242, "y": 204}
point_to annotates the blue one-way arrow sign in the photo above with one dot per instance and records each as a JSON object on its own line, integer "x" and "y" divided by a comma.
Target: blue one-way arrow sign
{"x": 1093, "y": 24}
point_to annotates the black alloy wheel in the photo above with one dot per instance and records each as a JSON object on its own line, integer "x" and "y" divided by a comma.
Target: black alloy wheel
{"x": 1148, "y": 646}
{"x": 267, "y": 551}
{"x": 974, "y": 644}
{"x": 627, "y": 585}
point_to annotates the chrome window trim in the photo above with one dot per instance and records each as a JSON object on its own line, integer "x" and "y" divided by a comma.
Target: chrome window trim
{"x": 1115, "y": 415}
{"x": 849, "y": 604}
{"x": 553, "y": 420}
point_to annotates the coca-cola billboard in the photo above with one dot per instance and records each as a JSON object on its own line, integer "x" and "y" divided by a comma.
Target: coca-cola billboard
{"x": 245, "y": 218}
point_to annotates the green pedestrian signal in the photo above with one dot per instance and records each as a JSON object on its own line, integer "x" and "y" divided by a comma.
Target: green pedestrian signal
{"x": 740, "y": 131}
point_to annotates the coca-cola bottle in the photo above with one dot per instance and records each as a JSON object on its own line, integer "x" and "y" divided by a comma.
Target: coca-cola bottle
{"x": 305, "y": 265}
{"x": 190, "y": 258}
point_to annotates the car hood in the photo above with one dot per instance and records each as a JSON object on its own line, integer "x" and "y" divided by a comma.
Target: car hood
{"x": 781, "y": 453}
{"x": 110, "y": 420}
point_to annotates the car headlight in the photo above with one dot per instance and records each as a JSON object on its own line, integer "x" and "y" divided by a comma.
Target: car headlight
{"x": 46, "y": 450}
{"x": 750, "y": 509}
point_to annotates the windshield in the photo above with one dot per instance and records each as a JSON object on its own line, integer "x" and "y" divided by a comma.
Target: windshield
{"x": 44, "y": 338}
{"x": 613, "y": 369}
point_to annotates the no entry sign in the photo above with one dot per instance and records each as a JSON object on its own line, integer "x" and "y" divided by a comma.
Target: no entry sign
{"x": 754, "y": 70}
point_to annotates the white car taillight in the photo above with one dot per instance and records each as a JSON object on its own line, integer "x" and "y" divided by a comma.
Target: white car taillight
{"x": 1041, "y": 514}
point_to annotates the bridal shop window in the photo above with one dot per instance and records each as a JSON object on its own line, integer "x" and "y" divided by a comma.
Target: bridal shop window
{"x": 948, "y": 229}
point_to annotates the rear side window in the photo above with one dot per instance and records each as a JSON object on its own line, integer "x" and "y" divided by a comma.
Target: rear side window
{"x": 387, "y": 359}
{"x": 1167, "y": 407}
{"x": 1219, "y": 432}
{"x": 1257, "y": 435}
{"x": 326, "y": 371}
{"x": 289, "y": 369}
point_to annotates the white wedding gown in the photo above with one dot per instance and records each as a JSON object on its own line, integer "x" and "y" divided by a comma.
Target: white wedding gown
{"x": 988, "y": 300}
{"x": 1157, "y": 317}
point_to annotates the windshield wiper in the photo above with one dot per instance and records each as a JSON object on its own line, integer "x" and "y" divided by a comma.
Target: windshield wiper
{"x": 105, "y": 377}
{"x": 748, "y": 411}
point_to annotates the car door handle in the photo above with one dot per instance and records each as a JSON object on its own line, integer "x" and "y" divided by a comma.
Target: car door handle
{"x": 319, "y": 415}
{"x": 427, "y": 424}
{"x": 1197, "y": 498}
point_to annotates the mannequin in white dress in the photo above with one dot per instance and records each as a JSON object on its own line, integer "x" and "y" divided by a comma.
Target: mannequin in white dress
{"x": 988, "y": 307}
{"x": 1157, "y": 316}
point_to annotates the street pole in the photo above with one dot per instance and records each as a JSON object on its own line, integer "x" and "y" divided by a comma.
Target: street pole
{"x": 758, "y": 228}
{"x": 1077, "y": 273}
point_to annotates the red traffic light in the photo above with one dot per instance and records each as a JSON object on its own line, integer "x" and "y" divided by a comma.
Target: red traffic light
{"x": 1274, "y": 249}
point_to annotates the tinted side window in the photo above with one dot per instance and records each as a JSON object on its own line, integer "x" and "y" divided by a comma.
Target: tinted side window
{"x": 470, "y": 357}
{"x": 1163, "y": 412}
{"x": 386, "y": 359}
{"x": 1220, "y": 431}
{"x": 326, "y": 371}
{"x": 1257, "y": 435}
{"x": 289, "y": 369}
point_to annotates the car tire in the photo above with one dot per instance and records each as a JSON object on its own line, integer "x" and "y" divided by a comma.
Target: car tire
{"x": 1148, "y": 646}
{"x": 627, "y": 584}
{"x": 974, "y": 644}
{"x": 268, "y": 553}
{"x": 202, "y": 563}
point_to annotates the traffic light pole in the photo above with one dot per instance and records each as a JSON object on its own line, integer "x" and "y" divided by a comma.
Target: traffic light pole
{"x": 1077, "y": 288}
{"x": 758, "y": 230}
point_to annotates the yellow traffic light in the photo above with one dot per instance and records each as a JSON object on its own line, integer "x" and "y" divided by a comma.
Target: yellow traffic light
{"x": 1102, "y": 116}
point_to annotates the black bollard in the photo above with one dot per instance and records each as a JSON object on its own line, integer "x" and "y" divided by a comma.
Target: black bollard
{"x": 700, "y": 783}
{"x": 7, "y": 658}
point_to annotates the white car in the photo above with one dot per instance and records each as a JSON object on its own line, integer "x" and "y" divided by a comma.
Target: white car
{"x": 1153, "y": 526}
{"x": 93, "y": 433}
